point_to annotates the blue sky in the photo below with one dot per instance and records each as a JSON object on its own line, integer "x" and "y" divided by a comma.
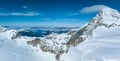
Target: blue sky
{"x": 51, "y": 12}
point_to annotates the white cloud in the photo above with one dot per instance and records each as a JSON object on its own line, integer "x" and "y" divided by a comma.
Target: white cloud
{"x": 72, "y": 14}
{"x": 45, "y": 19}
{"x": 70, "y": 19}
{"x": 60, "y": 19}
{"x": 65, "y": 19}
{"x": 20, "y": 14}
{"x": 3, "y": 14}
{"x": 92, "y": 9}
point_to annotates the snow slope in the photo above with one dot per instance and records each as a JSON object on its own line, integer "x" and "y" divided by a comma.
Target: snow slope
{"x": 98, "y": 40}
{"x": 104, "y": 43}
{"x": 102, "y": 31}
{"x": 18, "y": 50}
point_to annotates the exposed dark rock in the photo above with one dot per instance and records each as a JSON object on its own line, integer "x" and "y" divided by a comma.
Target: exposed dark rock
{"x": 48, "y": 48}
{"x": 57, "y": 57}
{"x": 70, "y": 32}
{"x": 34, "y": 42}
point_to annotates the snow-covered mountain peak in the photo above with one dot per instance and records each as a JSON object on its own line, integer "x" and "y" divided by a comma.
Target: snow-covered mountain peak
{"x": 109, "y": 11}
{"x": 7, "y": 34}
{"x": 107, "y": 16}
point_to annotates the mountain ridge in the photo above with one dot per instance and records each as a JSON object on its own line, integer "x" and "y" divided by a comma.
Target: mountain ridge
{"x": 60, "y": 44}
{"x": 99, "y": 20}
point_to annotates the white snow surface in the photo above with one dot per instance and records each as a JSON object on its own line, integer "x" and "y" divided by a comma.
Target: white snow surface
{"x": 103, "y": 46}
{"x": 19, "y": 50}
{"x": 109, "y": 16}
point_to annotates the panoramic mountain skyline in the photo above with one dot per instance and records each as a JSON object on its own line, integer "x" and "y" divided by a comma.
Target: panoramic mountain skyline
{"x": 51, "y": 12}
{"x": 98, "y": 40}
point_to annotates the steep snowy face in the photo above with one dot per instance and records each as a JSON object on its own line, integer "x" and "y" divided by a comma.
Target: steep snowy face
{"x": 7, "y": 34}
{"x": 105, "y": 41}
{"x": 17, "y": 49}
{"x": 107, "y": 18}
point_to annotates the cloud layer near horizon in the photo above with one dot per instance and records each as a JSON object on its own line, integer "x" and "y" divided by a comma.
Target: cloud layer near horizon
{"x": 92, "y": 9}
{"x": 20, "y": 14}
